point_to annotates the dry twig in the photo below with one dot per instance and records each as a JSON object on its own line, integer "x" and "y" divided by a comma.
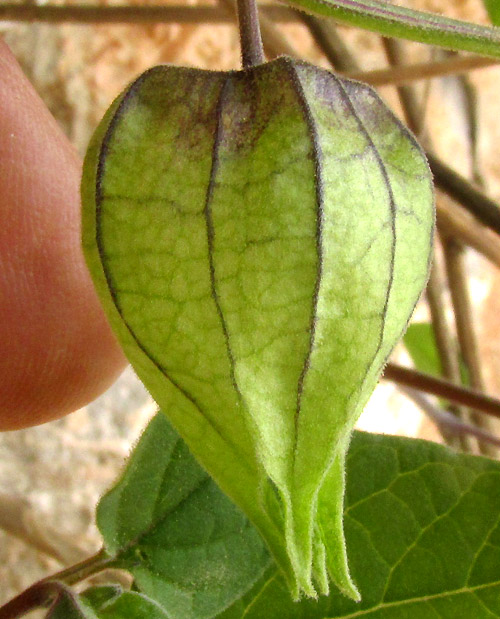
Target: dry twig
{"x": 443, "y": 389}
{"x": 448, "y": 422}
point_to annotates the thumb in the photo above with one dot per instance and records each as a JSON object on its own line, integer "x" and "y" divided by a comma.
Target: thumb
{"x": 57, "y": 350}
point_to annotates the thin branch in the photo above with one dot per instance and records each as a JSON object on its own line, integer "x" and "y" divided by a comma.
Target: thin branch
{"x": 462, "y": 307}
{"x": 455, "y": 221}
{"x": 442, "y": 331}
{"x": 454, "y": 258}
{"x": 84, "y": 569}
{"x": 40, "y": 594}
{"x": 470, "y": 197}
{"x": 448, "y": 421}
{"x": 425, "y": 405}
{"x": 405, "y": 74}
{"x": 47, "y": 590}
{"x": 443, "y": 335}
{"x": 16, "y": 518}
{"x": 443, "y": 389}
{"x": 181, "y": 14}
{"x": 326, "y": 37}
{"x": 471, "y": 104}
{"x": 178, "y": 14}
{"x": 408, "y": 98}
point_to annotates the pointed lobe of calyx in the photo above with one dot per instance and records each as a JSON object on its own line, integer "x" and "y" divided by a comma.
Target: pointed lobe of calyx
{"x": 259, "y": 240}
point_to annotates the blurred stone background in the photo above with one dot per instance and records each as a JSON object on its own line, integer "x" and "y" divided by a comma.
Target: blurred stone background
{"x": 51, "y": 476}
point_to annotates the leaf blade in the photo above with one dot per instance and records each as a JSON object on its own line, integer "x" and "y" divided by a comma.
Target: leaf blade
{"x": 420, "y": 521}
{"x": 493, "y": 8}
{"x": 400, "y": 22}
{"x": 188, "y": 547}
{"x": 126, "y": 605}
{"x": 70, "y": 606}
{"x": 420, "y": 342}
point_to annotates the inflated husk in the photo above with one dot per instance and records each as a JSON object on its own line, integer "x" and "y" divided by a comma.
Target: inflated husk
{"x": 259, "y": 240}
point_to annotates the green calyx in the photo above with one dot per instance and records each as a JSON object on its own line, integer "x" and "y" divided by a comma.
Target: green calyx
{"x": 259, "y": 240}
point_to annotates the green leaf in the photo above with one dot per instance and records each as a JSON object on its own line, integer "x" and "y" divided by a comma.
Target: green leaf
{"x": 423, "y": 533}
{"x": 493, "y": 8}
{"x": 259, "y": 240}
{"x": 101, "y": 594}
{"x": 106, "y": 602}
{"x": 420, "y": 342}
{"x": 189, "y": 548}
{"x": 127, "y": 605}
{"x": 70, "y": 606}
{"x": 396, "y": 21}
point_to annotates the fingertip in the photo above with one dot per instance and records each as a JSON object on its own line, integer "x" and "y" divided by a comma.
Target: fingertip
{"x": 58, "y": 349}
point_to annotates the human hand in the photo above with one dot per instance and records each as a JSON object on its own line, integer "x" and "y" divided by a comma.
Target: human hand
{"x": 57, "y": 351}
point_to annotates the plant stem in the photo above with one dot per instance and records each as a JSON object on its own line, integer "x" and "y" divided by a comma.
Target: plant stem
{"x": 420, "y": 70}
{"x": 42, "y": 593}
{"x": 443, "y": 389}
{"x": 252, "y": 51}
{"x": 454, "y": 221}
{"x": 442, "y": 331}
{"x": 175, "y": 13}
{"x": 180, "y": 14}
{"x": 462, "y": 308}
{"x": 75, "y": 14}
{"x": 274, "y": 42}
{"x": 331, "y": 44}
{"x": 82, "y": 570}
{"x": 410, "y": 103}
{"x": 443, "y": 336}
{"x": 16, "y": 518}
{"x": 465, "y": 193}
{"x": 446, "y": 419}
